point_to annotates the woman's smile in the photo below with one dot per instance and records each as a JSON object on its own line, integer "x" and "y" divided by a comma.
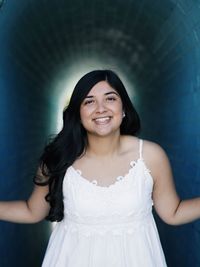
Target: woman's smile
{"x": 102, "y": 120}
{"x": 101, "y": 110}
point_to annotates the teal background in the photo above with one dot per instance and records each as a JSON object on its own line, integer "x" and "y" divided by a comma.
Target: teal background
{"x": 46, "y": 46}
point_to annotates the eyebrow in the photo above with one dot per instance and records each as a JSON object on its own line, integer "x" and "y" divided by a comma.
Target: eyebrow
{"x": 108, "y": 93}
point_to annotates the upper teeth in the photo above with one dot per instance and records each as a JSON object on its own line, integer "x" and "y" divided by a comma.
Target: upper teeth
{"x": 102, "y": 119}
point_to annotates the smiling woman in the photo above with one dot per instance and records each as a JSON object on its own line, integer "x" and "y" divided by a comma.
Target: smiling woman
{"x": 98, "y": 180}
{"x": 74, "y": 140}
{"x": 101, "y": 111}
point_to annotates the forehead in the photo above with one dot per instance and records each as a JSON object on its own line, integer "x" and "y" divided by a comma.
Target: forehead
{"x": 101, "y": 88}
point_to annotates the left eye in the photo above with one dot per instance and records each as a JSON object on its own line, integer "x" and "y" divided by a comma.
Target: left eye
{"x": 111, "y": 98}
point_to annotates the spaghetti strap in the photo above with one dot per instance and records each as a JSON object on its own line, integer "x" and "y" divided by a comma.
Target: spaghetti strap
{"x": 140, "y": 149}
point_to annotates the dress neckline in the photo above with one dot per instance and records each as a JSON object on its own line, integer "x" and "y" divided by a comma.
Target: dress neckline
{"x": 120, "y": 178}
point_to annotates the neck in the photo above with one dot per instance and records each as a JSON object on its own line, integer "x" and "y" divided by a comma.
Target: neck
{"x": 103, "y": 147}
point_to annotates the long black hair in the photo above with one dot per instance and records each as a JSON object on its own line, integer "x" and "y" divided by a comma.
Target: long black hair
{"x": 71, "y": 141}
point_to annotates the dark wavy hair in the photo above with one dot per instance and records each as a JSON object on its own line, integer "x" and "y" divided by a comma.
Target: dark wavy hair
{"x": 71, "y": 142}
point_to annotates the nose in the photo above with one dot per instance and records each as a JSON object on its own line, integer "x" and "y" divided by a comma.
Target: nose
{"x": 100, "y": 108}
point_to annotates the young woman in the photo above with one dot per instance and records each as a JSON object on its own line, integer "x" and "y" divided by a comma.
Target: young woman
{"x": 99, "y": 180}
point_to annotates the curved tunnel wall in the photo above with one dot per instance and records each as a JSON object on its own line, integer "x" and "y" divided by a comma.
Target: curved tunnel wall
{"x": 172, "y": 118}
{"x": 155, "y": 48}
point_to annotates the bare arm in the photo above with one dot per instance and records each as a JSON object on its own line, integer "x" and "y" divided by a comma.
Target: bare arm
{"x": 33, "y": 210}
{"x": 167, "y": 203}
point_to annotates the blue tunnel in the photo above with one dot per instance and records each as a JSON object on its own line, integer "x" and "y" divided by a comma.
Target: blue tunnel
{"x": 46, "y": 46}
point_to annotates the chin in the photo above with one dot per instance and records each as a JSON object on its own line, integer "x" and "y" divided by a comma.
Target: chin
{"x": 105, "y": 133}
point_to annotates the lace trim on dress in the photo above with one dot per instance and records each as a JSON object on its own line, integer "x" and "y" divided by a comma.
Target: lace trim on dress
{"x": 117, "y": 180}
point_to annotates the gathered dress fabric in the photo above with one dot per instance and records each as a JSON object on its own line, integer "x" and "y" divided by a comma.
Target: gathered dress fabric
{"x": 107, "y": 226}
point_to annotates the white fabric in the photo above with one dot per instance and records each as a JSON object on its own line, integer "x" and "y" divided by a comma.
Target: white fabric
{"x": 107, "y": 226}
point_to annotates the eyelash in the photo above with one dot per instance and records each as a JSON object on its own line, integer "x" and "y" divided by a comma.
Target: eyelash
{"x": 88, "y": 102}
{"x": 110, "y": 98}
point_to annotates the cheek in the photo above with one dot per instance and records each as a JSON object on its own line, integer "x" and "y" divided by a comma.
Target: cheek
{"x": 119, "y": 109}
{"x": 84, "y": 114}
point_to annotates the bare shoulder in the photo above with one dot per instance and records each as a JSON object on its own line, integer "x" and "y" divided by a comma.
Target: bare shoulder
{"x": 150, "y": 149}
{"x": 155, "y": 158}
{"x": 153, "y": 151}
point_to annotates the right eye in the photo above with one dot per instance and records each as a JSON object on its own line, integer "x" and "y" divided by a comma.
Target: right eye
{"x": 88, "y": 102}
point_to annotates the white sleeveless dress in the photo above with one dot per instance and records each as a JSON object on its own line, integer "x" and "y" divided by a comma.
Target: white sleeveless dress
{"x": 107, "y": 226}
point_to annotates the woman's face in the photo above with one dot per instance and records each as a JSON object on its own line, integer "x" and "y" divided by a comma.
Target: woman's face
{"x": 101, "y": 111}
